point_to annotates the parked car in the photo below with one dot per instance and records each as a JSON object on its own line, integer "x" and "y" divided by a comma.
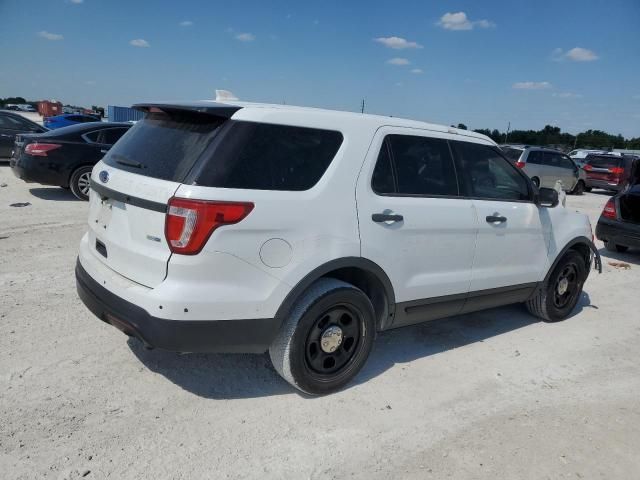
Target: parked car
{"x": 222, "y": 227}
{"x": 65, "y": 156}
{"x": 545, "y": 166}
{"x": 12, "y": 124}
{"x": 607, "y": 171}
{"x": 619, "y": 223}
{"x": 66, "y": 120}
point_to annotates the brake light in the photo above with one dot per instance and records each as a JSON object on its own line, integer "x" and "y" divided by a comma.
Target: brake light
{"x": 520, "y": 164}
{"x": 609, "y": 210}
{"x": 189, "y": 223}
{"x": 587, "y": 168}
{"x": 617, "y": 170}
{"x": 40, "y": 149}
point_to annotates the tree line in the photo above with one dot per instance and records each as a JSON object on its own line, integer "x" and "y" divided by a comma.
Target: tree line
{"x": 549, "y": 135}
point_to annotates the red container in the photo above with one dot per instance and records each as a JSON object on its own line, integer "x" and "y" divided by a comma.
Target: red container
{"x": 49, "y": 109}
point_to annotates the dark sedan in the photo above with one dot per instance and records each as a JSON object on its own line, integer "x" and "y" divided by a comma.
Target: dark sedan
{"x": 65, "y": 156}
{"x": 619, "y": 224}
{"x": 12, "y": 124}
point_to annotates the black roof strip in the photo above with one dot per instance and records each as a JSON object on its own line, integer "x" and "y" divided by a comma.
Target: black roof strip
{"x": 207, "y": 108}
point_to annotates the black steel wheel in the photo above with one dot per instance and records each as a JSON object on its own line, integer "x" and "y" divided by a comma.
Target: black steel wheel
{"x": 579, "y": 188}
{"x": 326, "y": 339}
{"x": 558, "y": 296}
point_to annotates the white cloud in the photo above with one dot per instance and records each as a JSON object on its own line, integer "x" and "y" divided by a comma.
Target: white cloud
{"x": 245, "y": 37}
{"x": 566, "y": 95}
{"x": 579, "y": 54}
{"x": 186, "y": 23}
{"x": 531, "y": 85}
{"x": 460, "y": 21}
{"x": 50, "y": 36}
{"x": 417, "y": 71}
{"x": 576, "y": 54}
{"x": 77, "y": 2}
{"x": 139, "y": 42}
{"x": 398, "y": 61}
{"x": 397, "y": 43}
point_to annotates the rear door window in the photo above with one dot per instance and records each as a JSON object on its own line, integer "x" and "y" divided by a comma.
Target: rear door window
{"x": 163, "y": 146}
{"x": 260, "y": 156}
{"x": 423, "y": 166}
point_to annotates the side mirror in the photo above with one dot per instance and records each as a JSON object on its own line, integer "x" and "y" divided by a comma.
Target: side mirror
{"x": 547, "y": 197}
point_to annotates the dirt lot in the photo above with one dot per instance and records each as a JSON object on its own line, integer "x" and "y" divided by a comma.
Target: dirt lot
{"x": 494, "y": 394}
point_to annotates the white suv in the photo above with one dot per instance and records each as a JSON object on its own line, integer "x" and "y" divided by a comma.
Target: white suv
{"x": 237, "y": 227}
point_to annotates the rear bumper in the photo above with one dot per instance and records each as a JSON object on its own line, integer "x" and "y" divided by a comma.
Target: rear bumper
{"x": 620, "y": 233}
{"x": 219, "y": 336}
{"x": 590, "y": 183}
{"x": 35, "y": 170}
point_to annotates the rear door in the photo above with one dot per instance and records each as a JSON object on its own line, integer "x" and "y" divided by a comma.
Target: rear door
{"x": 414, "y": 223}
{"x": 511, "y": 249}
{"x": 131, "y": 188}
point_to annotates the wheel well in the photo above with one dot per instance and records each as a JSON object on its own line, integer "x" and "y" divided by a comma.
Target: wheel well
{"x": 584, "y": 250}
{"x": 75, "y": 168}
{"x": 371, "y": 285}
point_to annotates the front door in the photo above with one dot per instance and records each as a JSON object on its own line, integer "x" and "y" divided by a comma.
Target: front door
{"x": 414, "y": 223}
{"x": 511, "y": 250}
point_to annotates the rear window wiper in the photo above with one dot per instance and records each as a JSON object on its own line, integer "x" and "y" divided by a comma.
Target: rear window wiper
{"x": 128, "y": 163}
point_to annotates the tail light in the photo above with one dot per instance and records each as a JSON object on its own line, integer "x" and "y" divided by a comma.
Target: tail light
{"x": 616, "y": 170}
{"x": 520, "y": 164}
{"x": 587, "y": 167}
{"x": 40, "y": 149}
{"x": 189, "y": 223}
{"x": 609, "y": 210}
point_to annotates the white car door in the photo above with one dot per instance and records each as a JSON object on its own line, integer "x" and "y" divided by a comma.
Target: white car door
{"x": 511, "y": 250}
{"x": 414, "y": 223}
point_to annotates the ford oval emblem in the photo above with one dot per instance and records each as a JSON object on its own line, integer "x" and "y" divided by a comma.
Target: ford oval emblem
{"x": 103, "y": 176}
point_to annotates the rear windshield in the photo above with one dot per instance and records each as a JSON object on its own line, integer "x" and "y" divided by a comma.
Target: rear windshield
{"x": 163, "y": 146}
{"x": 603, "y": 162}
{"x": 512, "y": 154}
{"x": 261, "y": 156}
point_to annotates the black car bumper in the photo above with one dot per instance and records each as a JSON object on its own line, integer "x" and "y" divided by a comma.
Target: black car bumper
{"x": 614, "y": 187}
{"x": 219, "y": 336}
{"x": 620, "y": 233}
{"x": 39, "y": 170}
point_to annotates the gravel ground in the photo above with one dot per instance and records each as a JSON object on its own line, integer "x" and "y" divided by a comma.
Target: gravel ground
{"x": 494, "y": 394}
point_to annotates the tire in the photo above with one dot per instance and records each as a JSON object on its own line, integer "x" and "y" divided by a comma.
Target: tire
{"x": 79, "y": 182}
{"x": 549, "y": 303}
{"x": 587, "y": 189}
{"x": 579, "y": 188}
{"x": 536, "y": 181}
{"x": 614, "y": 247}
{"x": 301, "y": 353}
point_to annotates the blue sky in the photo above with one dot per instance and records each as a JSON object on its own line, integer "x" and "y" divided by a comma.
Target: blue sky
{"x": 574, "y": 64}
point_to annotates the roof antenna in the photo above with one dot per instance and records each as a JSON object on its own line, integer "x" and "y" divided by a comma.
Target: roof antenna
{"x": 225, "y": 96}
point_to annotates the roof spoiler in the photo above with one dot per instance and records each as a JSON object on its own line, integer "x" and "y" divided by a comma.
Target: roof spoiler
{"x": 206, "y": 108}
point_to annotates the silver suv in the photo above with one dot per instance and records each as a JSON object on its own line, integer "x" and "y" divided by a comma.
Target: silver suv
{"x": 545, "y": 166}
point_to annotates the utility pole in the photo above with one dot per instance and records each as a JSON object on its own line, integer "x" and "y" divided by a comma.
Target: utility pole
{"x": 506, "y": 135}
{"x": 362, "y": 106}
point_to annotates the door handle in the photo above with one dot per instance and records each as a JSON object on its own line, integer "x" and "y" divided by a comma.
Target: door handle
{"x": 104, "y": 150}
{"x": 495, "y": 219}
{"x": 386, "y": 217}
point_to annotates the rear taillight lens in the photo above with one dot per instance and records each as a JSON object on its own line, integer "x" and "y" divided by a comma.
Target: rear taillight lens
{"x": 520, "y": 164}
{"x": 40, "y": 149}
{"x": 609, "y": 210}
{"x": 587, "y": 168}
{"x": 190, "y": 223}
{"x": 617, "y": 170}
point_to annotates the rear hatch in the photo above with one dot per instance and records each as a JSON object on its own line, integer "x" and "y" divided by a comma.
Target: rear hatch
{"x": 603, "y": 168}
{"x": 133, "y": 183}
{"x": 630, "y": 199}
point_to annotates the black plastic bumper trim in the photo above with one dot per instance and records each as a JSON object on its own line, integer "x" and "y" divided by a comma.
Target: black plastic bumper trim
{"x": 212, "y": 336}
